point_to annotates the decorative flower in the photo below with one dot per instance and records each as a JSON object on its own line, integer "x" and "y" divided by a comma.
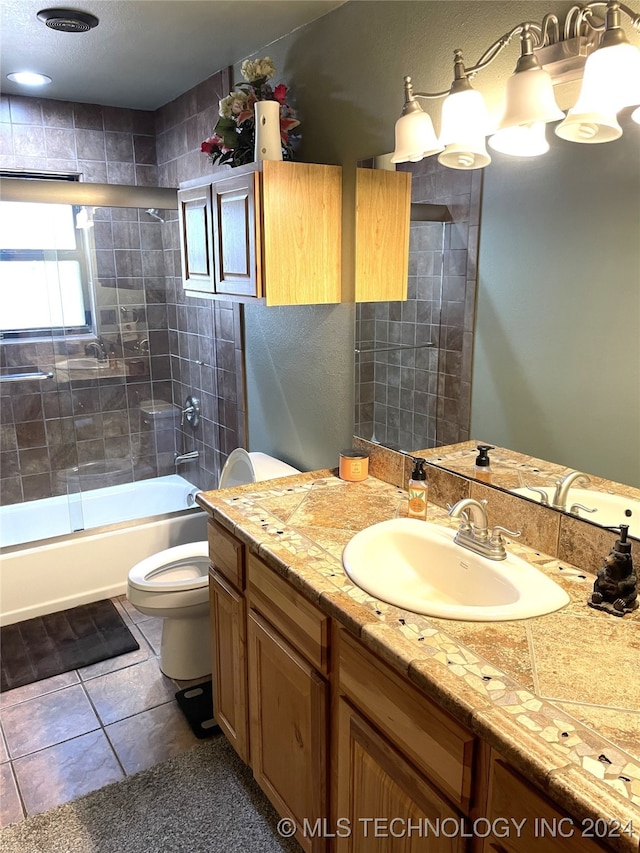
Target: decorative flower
{"x": 233, "y": 139}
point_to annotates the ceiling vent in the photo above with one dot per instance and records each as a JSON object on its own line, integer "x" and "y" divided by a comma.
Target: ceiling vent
{"x": 68, "y": 20}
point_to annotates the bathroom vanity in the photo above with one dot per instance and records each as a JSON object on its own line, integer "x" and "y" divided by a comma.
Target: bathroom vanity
{"x": 513, "y": 736}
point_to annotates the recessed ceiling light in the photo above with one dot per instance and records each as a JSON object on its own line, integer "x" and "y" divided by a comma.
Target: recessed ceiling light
{"x": 28, "y": 78}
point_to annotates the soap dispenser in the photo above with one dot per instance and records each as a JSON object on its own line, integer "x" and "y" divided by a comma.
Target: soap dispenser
{"x": 483, "y": 463}
{"x": 616, "y": 587}
{"x": 418, "y": 490}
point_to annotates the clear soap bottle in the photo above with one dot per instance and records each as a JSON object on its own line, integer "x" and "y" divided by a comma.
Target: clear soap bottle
{"x": 418, "y": 491}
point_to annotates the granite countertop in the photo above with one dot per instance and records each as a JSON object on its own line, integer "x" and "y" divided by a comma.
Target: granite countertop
{"x": 557, "y": 695}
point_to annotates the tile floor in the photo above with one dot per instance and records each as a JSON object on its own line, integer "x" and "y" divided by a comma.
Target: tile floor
{"x": 76, "y": 732}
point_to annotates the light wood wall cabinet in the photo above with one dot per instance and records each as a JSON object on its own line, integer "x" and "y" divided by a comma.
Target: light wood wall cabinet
{"x": 383, "y": 210}
{"x": 269, "y": 230}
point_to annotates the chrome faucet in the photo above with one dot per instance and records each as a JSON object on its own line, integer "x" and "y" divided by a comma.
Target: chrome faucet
{"x": 559, "y": 500}
{"x": 186, "y": 457}
{"x": 474, "y": 532}
{"x": 99, "y": 348}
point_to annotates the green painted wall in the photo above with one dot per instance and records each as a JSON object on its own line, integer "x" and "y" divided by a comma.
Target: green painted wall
{"x": 345, "y": 71}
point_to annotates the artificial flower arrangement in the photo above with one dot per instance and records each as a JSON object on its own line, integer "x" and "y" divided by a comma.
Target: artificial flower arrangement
{"x": 233, "y": 138}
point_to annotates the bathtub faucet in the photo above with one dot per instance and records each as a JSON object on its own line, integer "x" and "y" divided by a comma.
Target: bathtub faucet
{"x": 186, "y": 457}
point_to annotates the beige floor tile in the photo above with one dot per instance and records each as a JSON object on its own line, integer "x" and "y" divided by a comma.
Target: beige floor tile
{"x": 10, "y": 806}
{"x": 68, "y": 770}
{"x": 47, "y": 720}
{"x": 151, "y": 737}
{"x": 120, "y": 661}
{"x": 38, "y": 688}
{"x": 129, "y": 691}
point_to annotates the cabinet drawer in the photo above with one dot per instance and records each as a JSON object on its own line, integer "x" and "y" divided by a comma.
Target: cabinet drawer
{"x": 289, "y": 612}
{"x": 545, "y": 828}
{"x": 226, "y": 554}
{"x": 432, "y": 740}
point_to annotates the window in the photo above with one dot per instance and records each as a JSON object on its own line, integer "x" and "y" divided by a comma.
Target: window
{"x": 44, "y": 281}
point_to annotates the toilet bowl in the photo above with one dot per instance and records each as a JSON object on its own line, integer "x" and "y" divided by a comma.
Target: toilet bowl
{"x": 174, "y": 584}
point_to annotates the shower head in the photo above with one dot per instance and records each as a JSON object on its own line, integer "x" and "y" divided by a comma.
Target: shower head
{"x": 153, "y": 212}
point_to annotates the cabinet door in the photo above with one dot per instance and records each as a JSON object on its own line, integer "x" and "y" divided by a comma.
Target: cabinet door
{"x": 237, "y": 250}
{"x": 288, "y": 718}
{"x": 382, "y": 801}
{"x": 543, "y": 828}
{"x": 194, "y": 211}
{"x": 383, "y": 208}
{"x": 229, "y": 663}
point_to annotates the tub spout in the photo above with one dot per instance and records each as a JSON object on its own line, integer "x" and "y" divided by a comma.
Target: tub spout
{"x": 186, "y": 457}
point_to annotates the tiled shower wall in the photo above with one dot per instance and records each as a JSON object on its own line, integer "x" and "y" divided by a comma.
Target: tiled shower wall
{"x": 171, "y": 346}
{"x": 204, "y": 335}
{"x": 421, "y": 398}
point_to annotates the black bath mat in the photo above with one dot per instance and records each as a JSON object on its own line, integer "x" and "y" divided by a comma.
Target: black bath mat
{"x": 196, "y": 703}
{"x": 58, "y": 642}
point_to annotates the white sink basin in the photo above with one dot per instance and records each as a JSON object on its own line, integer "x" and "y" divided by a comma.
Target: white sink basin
{"x": 417, "y": 566}
{"x": 611, "y": 510}
{"x": 84, "y": 362}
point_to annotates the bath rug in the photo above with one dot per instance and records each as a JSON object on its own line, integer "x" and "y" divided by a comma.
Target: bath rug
{"x": 59, "y": 642}
{"x": 196, "y": 703}
{"x": 203, "y": 801}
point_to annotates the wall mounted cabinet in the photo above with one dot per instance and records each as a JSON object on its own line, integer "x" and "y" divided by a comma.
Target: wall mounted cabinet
{"x": 269, "y": 230}
{"x": 383, "y": 210}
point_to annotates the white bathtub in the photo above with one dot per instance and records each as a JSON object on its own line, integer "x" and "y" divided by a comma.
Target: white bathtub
{"x": 92, "y": 564}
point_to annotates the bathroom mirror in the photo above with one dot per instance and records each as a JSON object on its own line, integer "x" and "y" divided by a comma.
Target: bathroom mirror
{"x": 556, "y": 359}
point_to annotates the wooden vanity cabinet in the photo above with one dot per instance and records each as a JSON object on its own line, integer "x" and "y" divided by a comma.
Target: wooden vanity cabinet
{"x": 543, "y": 827}
{"x": 397, "y": 755}
{"x": 269, "y": 230}
{"x": 229, "y": 638}
{"x": 288, "y": 699}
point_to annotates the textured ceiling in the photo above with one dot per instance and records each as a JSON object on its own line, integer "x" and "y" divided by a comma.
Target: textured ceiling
{"x": 143, "y": 53}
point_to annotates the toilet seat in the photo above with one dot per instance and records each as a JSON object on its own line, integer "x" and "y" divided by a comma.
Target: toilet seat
{"x": 178, "y": 569}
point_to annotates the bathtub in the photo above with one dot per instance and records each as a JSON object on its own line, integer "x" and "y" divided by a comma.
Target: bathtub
{"x": 86, "y": 548}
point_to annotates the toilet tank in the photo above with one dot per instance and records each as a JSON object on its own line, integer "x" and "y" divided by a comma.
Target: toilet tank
{"x": 242, "y": 468}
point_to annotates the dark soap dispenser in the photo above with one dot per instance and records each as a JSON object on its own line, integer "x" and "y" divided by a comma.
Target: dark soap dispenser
{"x": 483, "y": 463}
{"x": 616, "y": 587}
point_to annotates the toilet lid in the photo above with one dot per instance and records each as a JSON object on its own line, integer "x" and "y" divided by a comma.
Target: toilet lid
{"x": 242, "y": 468}
{"x": 181, "y": 568}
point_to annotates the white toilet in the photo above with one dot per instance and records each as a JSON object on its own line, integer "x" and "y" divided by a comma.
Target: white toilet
{"x": 174, "y": 584}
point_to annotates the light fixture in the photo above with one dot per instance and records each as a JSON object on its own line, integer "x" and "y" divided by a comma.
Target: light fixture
{"x": 598, "y": 47}
{"x": 415, "y": 136}
{"x": 611, "y": 82}
{"x": 465, "y": 123}
{"x": 28, "y": 78}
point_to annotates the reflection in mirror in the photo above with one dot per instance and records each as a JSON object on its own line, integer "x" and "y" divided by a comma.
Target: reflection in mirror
{"x": 413, "y": 358}
{"x": 553, "y": 351}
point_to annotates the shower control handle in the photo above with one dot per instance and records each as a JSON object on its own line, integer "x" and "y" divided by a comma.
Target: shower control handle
{"x": 191, "y": 412}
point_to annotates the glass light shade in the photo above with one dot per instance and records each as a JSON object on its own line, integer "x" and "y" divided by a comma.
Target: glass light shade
{"x": 593, "y": 127}
{"x": 529, "y": 99}
{"x": 415, "y": 138}
{"x": 464, "y": 126}
{"x": 611, "y": 79}
{"x": 521, "y": 141}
